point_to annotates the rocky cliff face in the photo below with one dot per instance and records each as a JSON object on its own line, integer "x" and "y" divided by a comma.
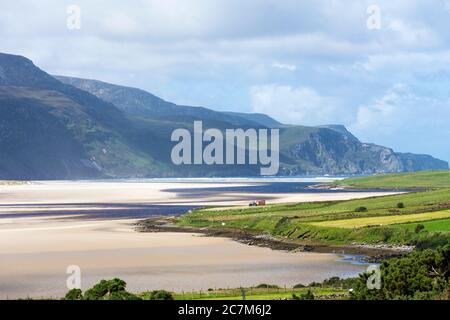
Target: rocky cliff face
{"x": 418, "y": 162}
{"x": 331, "y": 151}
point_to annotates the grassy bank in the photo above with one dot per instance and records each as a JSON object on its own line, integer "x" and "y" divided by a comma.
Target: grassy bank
{"x": 378, "y": 220}
{"x": 115, "y": 289}
{"x": 421, "y": 179}
{"x": 262, "y": 294}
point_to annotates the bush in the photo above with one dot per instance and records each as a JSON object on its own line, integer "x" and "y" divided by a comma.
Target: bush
{"x": 361, "y": 209}
{"x": 386, "y": 234}
{"x": 432, "y": 241}
{"x": 335, "y": 282}
{"x": 315, "y": 284}
{"x": 109, "y": 290}
{"x": 160, "y": 295}
{"x": 299, "y": 285}
{"x": 419, "y": 275}
{"x": 74, "y": 294}
{"x": 419, "y": 228}
{"x": 267, "y": 286}
{"x": 400, "y": 205}
{"x": 308, "y": 295}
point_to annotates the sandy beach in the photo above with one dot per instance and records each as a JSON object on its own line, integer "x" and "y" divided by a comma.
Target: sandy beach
{"x": 47, "y": 226}
{"x": 81, "y": 197}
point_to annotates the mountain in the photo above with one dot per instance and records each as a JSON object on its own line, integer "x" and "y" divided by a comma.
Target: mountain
{"x": 50, "y": 130}
{"x": 323, "y": 150}
{"x": 259, "y": 118}
{"x": 137, "y": 102}
{"x": 420, "y": 162}
{"x": 70, "y": 128}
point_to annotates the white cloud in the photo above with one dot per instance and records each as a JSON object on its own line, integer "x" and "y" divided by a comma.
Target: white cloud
{"x": 210, "y": 52}
{"x": 406, "y": 34}
{"x": 405, "y": 121}
{"x": 285, "y": 66}
{"x": 291, "y": 105}
{"x": 386, "y": 114}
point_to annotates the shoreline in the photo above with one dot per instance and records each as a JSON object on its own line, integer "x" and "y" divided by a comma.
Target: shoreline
{"x": 368, "y": 253}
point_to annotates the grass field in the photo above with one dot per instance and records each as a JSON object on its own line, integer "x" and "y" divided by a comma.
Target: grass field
{"x": 261, "y": 294}
{"x": 421, "y": 179}
{"x": 383, "y": 220}
{"x": 435, "y": 225}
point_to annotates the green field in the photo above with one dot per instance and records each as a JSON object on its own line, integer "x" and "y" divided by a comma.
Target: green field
{"x": 383, "y": 220}
{"x": 421, "y": 179}
{"x": 435, "y": 225}
{"x": 260, "y": 294}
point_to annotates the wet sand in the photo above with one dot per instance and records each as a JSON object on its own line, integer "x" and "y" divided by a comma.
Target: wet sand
{"x": 35, "y": 254}
{"x": 36, "y": 250}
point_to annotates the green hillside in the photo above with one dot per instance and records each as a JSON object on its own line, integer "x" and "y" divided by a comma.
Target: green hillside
{"x": 421, "y": 179}
{"x": 416, "y": 218}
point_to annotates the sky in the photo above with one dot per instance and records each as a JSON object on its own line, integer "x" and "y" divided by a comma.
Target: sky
{"x": 381, "y": 68}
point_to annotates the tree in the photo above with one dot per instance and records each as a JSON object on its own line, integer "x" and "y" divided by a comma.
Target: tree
{"x": 419, "y": 275}
{"x": 110, "y": 290}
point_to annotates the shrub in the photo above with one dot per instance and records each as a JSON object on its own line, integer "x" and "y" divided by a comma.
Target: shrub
{"x": 109, "y": 290}
{"x": 160, "y": 295}
{"x": 361, "y": 209}
{"x": 432, "y": 241}
{"x": 281, "y": 222}
{"x": 386, "y": 234}
{"x": 267, "y": 286}
{"x": 419, "y": 275}
{"x": 315, "y": 284}
{"x": 74, "y": 294}
{"x": 400, "y": 205}
{"x": 308, "y": 295}
{"x": 419, "y": 228}
{"x": 336, "y": 282}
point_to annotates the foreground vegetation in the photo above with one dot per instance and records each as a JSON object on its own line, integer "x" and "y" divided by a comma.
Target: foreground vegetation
{"x": 420, "y": 275}
{"x": 115, "y": 289}
{"x": 378, "y": 220}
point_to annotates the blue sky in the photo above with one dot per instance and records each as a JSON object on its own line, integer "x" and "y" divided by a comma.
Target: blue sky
{"x": 302, "y": 62}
